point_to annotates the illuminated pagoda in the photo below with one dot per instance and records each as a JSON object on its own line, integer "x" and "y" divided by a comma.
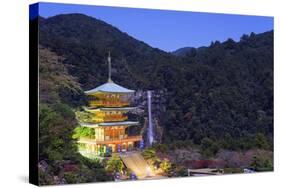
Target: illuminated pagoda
{"x": 108, "y": 105}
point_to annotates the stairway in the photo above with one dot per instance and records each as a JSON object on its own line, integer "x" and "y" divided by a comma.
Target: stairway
{"x": 136, "y": 163}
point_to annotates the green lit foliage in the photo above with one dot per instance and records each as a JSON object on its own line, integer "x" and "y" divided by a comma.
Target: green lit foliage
{"x": 81, "y": 146}
{"x": 165, "y": 165}
{"x": 86, "y": 132}
{"x": 150, "y": 156}
{"x": 84, "y": 116}
{"x": 153, "y": 160}
{"x": 114, "y": 164}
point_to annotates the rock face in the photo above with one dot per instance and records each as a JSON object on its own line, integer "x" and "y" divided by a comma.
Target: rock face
{"x": 157, "y": 131}
{"x": 158, "y": 107}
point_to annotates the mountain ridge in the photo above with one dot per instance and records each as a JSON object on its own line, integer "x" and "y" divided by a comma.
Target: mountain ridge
{"x": 224, "y": 88}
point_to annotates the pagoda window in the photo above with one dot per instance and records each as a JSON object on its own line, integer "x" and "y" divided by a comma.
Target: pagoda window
{"x": 130, "y": 146}
{"x": 124, "y": 146}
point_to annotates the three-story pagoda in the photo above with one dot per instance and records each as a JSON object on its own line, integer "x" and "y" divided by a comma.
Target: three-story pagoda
{"x": 108, "y": 105}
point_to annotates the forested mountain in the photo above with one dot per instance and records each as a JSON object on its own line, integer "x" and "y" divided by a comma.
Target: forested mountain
{"x": 85, "y": 43}
{"x": 187, "y": 50}
{"x": 183, "y": 51}
{"x": 223, "y": 93}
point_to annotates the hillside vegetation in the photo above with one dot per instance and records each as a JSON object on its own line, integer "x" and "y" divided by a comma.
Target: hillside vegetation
{"x": 219, "y": 97}
{"x": 225, "y": 90}
{"x": 59, "y": 160}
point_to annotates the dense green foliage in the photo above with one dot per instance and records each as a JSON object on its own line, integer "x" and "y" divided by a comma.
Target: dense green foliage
{"x": 262, "y": 164}
{"x": 57, "y": 149}
{"x": 210, "y": 147}
{"x": 151, "y": 158}
{"x": 114, "y": 164}
{"x": 85, "y": 132}
{"x": 56, "y": 126}
{"x": 83, "y": 116}
{"x": 216, "y": 92}
{"x": 231, "y": 90}
{"x": 56, "y": 85}
{"x": 219, "y": 96}
{"x": 59, "y": 161}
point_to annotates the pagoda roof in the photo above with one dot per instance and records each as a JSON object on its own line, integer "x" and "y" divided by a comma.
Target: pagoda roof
{"x": 120, "y": 123}
{"x": 110, "y": 87}
{"x": 110, "y": 109}
{"x": 118, "y": 108}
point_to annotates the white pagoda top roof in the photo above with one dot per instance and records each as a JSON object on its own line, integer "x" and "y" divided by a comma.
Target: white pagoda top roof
{"x": 110, "y": 87}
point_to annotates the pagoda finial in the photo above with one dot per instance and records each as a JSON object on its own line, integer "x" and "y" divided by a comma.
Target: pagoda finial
{"x": 109, "y": 67}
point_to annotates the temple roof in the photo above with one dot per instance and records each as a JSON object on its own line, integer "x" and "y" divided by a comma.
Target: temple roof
{"x": 110, "y": 87}
{"x": 118, "y": 108}
{"x": 110, "y": 109}
{"x": 120, "y": 123}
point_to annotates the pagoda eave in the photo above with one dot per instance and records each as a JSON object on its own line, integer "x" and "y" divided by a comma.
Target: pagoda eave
{"x": 109, "y": 109}
{"x": 110, "y": 141}
{"x": 105, "y": 124}
{"x": 109, "y": 87}
{"x": 121, "y": 123}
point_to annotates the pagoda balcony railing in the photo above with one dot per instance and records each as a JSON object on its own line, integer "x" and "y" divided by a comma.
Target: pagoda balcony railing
{"x": 110, "y": 140}
{"x": 109, "y": 103}
{"x": 115, "y": 117}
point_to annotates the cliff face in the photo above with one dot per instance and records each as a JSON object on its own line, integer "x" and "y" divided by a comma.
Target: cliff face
{"x": 158, "y": 108}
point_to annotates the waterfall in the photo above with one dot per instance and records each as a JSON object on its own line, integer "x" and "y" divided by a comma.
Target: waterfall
{"x": 150, "y": 120}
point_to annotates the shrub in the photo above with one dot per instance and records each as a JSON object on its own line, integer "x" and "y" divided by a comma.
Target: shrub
{"x": 165, "y": 166}
{"x": 208, "y": 147}
{"x": 114, "y": 164}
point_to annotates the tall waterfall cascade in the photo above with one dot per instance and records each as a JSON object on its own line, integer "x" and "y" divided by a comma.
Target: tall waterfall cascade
{"x": 150, "y": 119}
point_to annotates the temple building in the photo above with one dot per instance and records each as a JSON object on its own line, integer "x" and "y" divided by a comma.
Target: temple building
{"x": 108, "y": 106}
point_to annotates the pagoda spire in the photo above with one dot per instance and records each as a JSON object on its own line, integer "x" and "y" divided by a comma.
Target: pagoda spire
{"x": 109, "y": 67}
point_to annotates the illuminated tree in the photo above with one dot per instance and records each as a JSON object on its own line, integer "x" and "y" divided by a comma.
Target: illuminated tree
{"x": 114, "y": 164}
{"x": 165, "y": 165}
